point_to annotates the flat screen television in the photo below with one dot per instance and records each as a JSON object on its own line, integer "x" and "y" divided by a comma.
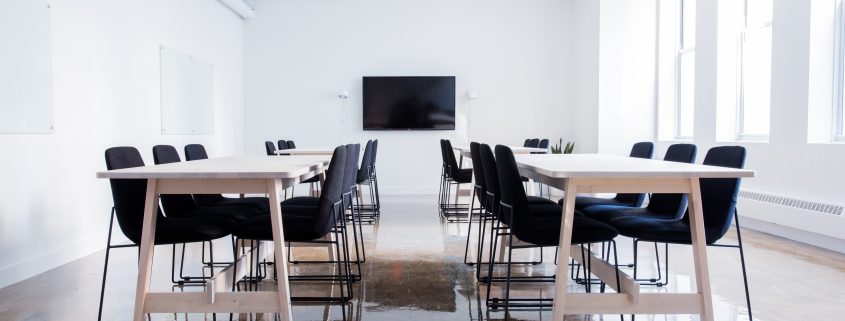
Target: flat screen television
{"x": 409, "y": 103}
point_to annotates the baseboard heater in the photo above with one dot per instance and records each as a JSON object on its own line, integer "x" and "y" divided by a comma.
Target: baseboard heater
{"x": 808, "y": 205}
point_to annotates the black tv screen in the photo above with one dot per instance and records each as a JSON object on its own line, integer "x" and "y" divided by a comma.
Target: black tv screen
{"x": 409, "y": 103}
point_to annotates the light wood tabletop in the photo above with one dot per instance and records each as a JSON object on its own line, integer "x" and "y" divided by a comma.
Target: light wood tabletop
{"x": 245, "y": 174}
{"x": 585, "y": 173}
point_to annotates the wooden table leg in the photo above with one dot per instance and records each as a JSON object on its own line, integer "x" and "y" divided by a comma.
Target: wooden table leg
{"x": 699, "y": 251}
{"x": 274, "y": 187}
{"x": 561, "y": 276}
{"x": 145, "y": 260}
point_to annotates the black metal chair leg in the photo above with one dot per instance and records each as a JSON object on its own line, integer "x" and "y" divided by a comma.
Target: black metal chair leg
{"x": 105, "y": 266}
{"x": 742, "y": 262}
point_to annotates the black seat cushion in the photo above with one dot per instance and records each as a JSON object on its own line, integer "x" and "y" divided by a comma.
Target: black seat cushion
{"x": 661, "y": 230}
{"x": 296, "y": 227}
{"x": 548, "y": 209}
{"x": 313, "y": 179}
{"x": 232, "y": 213}
{"x": 608, "y": 213}
{"x": 584, "y": 230}
{"x": 539, "y": 200}
{"x": 260, "y": 204}
{"x": 582, "y": 202}
{"x": 302, "y": 200}
{"x": 187, "y": 230}
{"x": 463, "y": 175}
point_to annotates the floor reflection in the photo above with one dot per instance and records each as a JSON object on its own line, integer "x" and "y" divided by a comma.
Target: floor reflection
{"x": 415, "y": 271}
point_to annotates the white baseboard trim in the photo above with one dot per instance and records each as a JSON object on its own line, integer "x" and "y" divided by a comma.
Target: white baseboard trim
{"x": 798, "y": 235}
{"x": 22, "y": 270}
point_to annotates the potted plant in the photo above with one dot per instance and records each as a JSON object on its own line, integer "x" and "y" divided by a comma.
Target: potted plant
{"x": 559, "y": 148}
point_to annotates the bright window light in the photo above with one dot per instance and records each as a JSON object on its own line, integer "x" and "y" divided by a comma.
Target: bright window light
{"x": 755, "y": 71}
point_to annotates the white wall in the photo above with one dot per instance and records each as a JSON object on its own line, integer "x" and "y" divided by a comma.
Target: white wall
{"x": 106, "y": 89}
{"x": 299, "y": 54}
{"x": 787, "y": 165}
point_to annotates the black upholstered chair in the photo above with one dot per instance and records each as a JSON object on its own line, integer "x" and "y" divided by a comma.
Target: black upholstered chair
{"x": 535, "y": 142}
{"x": 283, "y": 144}
{"x": 544, "y": 143}
{"x": 291, "y": 144}
{"x": 537, "y": 226}
{"x": 479, "y": 192}
{"x": 319, "y": 220}
{"x": 270, "y": 148}
{"x": 718, "y": 201}
{"x": 197, "y": 152}
{"x": 454, "y": 176}
{"x": 364, "y": 177}
{"x": 640, "y": 150}
{"x": 350, "y": 175}
{"x": 129, "y": 196}
{"x": 527, "y": 143}
{"x": 498, "y": 225}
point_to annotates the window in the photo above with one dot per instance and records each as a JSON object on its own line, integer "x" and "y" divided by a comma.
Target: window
{"x": 755, "y": 71}
{"x": 839, "y": 63}
{"x": 676, "y": 69}
{"x": 685, "y": 78}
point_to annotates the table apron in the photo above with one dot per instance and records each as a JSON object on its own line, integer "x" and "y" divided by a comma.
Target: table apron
{"x": 616, "y": 184}
{"x": 648, "y": 303}
{"x": 218, "y": 185}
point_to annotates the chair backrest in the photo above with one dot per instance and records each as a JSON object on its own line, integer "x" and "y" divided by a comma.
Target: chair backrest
{"x": 331, "y": 194}
{"x": 639, "y": 150}
{"x": 642, "y": 150}
{"x": 451, "y": 161}
{"x": 535, "y": 142}
{"x": 270, "y": 148}
{"x": 173, "y": 204}
{"x": 195, "y": 152}
{"x": 375, "y": 153}
{"x": 283, "y": 144}
{"x": 544, "y": 143}
{"x": 364, "y": 170}
{"x": 527, "y": 143}
{"x": 719, "y": 195}
{"x": 513, "y": 193}
{"x": 349, "y": 174}
{"x": 443, "y": 152}
{"x": 673, "y": 205}
{"x": 129, "y": 195}
{"x": 491, "y": 177}
{"x": 478, "y": 172}
{"x": 291, "y": 144}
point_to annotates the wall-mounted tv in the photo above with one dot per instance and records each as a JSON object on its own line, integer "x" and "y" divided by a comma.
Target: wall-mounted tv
{"x": 409, "y": 103}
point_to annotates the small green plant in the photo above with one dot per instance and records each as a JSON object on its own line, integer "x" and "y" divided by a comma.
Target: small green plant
{"x": 559, "y": 148}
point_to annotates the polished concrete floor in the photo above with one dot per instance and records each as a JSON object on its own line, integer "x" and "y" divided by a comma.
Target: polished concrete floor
{"x": 415, "y": 271}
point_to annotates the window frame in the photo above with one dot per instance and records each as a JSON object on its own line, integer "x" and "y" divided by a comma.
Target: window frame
{"x": 740, "y": 99}
{"x": 680, "y": 51}
{"x": 838, "y": 119}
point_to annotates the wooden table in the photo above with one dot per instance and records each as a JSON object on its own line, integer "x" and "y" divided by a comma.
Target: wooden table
{"x": 586, "y": 173}
{"x": 305, "y": 151}
{"x": 245, "y": 174}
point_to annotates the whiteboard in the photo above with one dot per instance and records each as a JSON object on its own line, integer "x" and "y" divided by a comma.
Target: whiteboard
{"x": 187, "y": 94}
{"x": 26, "y": 68}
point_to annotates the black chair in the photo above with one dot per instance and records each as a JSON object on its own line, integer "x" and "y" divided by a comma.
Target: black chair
{"x": 538, "y": 226}
{"x": 353, "y": 151}
{"x": 322, "y": 223}
{"x": 270, "y": 148}
{"x": 283, "y": 144}
{"x": 363, "y": 178}
{"x": 129, "y": 196}
{"x": 498, "y": 224}
{"x": 660, "y": 206}
{"x": 544, "y": 143}
{"x": 534, "y": 142}
{"x": 718, "y": 201}
{"x": 291, "y": 145}
{"x": 197, "y": 152}
{"x": 640, "y": 150}
{"x": 183, "y": 205}
{"x": 454, "y": 175}
{"x": 479, "y": 192}
{"x": 527, "y": 143}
